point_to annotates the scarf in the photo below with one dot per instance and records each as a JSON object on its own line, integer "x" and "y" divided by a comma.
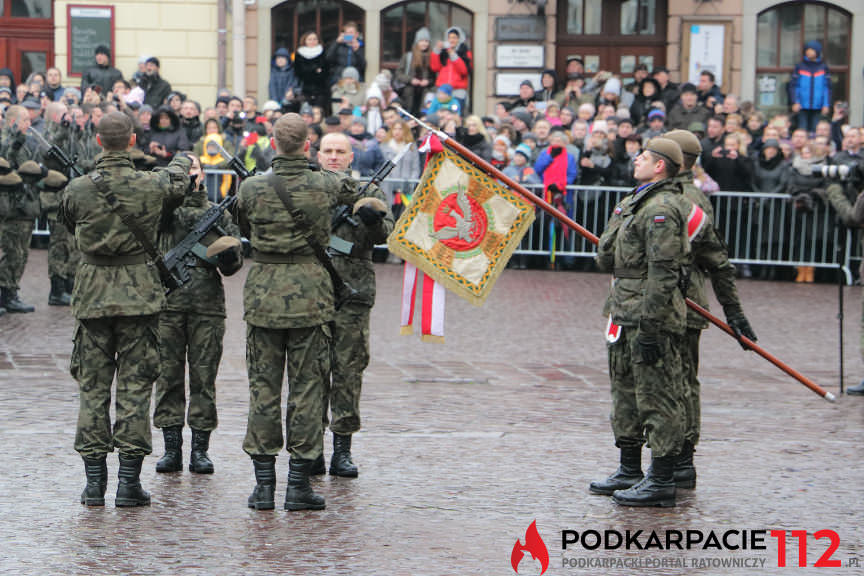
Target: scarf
{"x": 310, "y": 53}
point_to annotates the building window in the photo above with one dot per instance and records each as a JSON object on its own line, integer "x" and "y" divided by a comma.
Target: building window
{"x": 781, "y": 34}
{"x": 31, "y": 9}
{"x": 615, "y": 36}
{"x": 400, "y": 23}
{"x": 294, "y": 18}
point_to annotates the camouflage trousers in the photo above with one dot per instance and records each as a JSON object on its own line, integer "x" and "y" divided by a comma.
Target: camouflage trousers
{"x": 690, "y": 363}
{"x": 63, "y": 257}
{"x": 15, "y": 244}
{"x": 127, "y": 346}
{"x": 198, "y": 338}
{"x": 349, "y": 356}
{"x": 307, "y": 351}
{"x": 647, "y": 401}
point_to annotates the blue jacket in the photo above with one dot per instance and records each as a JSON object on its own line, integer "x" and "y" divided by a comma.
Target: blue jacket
{"x": 281, "y": 79}
{"x": 544, "y": 160}
{"x": 811, "y": 81}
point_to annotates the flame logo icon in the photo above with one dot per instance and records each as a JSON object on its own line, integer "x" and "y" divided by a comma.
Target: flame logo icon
{"x": 534, "y": 545}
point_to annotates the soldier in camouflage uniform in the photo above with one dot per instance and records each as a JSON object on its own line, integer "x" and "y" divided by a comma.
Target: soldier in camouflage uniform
{"x": 851, "y": 215}
{"x": 288, "y": 303}
{"x": 711, "y": 261}
{"x": 10, "y": 186}
{"x": 60, "y": 243}
{"x": 16, "y": 235}
{"x": 17, "y": 226}
{"x": 116, "y": 302}
{"x": 191, "y": 326}
{"x": 645, "y": 246}
{"x": 356, "y": 231}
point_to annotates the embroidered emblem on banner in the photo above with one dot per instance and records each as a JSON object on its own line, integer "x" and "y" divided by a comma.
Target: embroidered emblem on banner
{"x": 461, "y": 227}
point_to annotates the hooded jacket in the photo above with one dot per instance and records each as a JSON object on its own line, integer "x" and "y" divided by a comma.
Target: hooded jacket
{"x": 174, "y": 138}
{"x": 453, "y": 70}
{"x": 281, "y": 79}
{"x": 641, "y": 103}
{"x": 811, "y": 81}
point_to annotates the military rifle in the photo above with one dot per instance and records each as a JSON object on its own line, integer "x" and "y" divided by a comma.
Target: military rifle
{"x": 58, "y": 155}
{"x": 175, "y": 259}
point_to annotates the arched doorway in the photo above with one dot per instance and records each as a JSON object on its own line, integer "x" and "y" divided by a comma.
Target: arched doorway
{"x": 782, "y": 31}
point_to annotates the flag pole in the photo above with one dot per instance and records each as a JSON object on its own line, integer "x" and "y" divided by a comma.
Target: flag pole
{"x": 563, "y": 218}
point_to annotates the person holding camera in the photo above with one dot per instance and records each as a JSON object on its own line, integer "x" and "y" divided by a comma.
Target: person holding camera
{"x": 346, "y": 51}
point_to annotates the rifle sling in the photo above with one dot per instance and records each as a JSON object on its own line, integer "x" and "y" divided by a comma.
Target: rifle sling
{"x": 303, "y": 226}
{"x": 102, "y": 186}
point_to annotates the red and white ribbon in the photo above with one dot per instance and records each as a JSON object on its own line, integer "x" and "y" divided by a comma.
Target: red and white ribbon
{"x": 431, "y": 307}
{"x": 695, "y": 222}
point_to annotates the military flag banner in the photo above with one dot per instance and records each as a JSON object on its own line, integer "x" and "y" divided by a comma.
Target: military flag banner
{"x": 461, "y": 226}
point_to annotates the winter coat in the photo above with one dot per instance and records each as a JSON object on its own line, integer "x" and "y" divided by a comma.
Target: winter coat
{"x": 193, "y": 128}
{"x": 341, "y": 56}
{"x": 811, "y": 82}
{"x": 156, "y": 89}
{"x": 310, "y": 68}
{"x": 455, "y": 70}
{"x": 104, "y": 76}
{"x": 476, "y": 143}
{"x": 173, "y": 139}
{"x": 680, "y": 118}
{"x": 599, "y": 174}
{"x": 356, "y": 97}
{"x": 522, "y": 174}
{"x": 769, "y": 176}
{"x": 545, "y": 159}
{"x": 731, "y": 175}
{"x": 367, "y": 153}
{"x": 642, "y": 104}
{"x": 281, "y": 79}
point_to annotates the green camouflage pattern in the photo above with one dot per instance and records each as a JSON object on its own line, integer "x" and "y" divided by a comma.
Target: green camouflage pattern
{"x": 204, "y": 293}
{"x": 308, "y": 365}
{"x": 647, "y": 401}
{"x": 647, "y": 249}
{"x": 63, "y": 257}
{"x": 289, "y": 295}
{"x": 359, "y": 271}
{"x": 196, "y": 338}
{"x": 710, "y": 260}
{"x": 690, "y": 365}
{"x": 15, "y": 238}
{"x": 18, "y": 147}
{"x": 129, "y": 347}
{"x": 349, "y": 357}
{"x": 123, "y": 290}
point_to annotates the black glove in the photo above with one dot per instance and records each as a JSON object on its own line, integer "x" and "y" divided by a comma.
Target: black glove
{"x": 741, "y": 327}
{"x": 369, "y": 215}
{"x": 803, "y": 202}
{"x": 554, "y": 152}
{"x": 649, "y": 346}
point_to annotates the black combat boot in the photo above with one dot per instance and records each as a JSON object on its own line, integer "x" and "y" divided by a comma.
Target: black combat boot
{"x": 856, "y": 390}
{"x": 656, "y": 489}
{"x": 96, "y": 470}
{"x": 629, "y": 473}
{"x": 300, "y": 495}
{"x": 199, "y": 460}
{"x": 172, "y": 461}
{"x": 129, "y": 491}
{"x": 12, "y": 303}
{"x": 319, "y": 466}
{"x": 265, "y": 475}
{"x": 685, "y": 471}
{"x": 340, "y": 463}
{"x": 58, "y": 295}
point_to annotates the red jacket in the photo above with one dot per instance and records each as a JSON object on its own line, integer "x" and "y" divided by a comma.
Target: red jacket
{"x": 453, "y": 72}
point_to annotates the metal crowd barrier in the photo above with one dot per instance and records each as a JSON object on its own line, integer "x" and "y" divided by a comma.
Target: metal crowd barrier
{"x": 759, "y": 229}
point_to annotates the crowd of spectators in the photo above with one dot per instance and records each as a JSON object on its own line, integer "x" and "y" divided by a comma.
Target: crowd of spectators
{"x": 580, "y": 129}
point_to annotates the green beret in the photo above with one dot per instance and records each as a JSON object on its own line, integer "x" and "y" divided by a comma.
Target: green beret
{"x": 688, "y": 141}
{"x": 54, "y": 180}
{"x": 30, "y": 168}
{"x": 10, "y": 180}
{"x": 667, "y": 149}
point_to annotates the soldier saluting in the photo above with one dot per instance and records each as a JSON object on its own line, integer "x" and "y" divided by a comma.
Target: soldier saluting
{"x": 646, "y": 247}
{"x": 288, "y": 303}
{"x": 116, "y": 301}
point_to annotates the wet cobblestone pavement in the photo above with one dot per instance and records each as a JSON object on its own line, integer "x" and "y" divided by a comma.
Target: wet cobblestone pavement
{"x": 464, "y": 445}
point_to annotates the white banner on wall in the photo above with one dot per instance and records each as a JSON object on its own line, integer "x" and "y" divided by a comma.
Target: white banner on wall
{"x": 707, "y": 49}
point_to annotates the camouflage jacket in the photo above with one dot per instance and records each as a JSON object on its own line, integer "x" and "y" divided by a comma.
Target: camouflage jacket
{"x": 120, "y": 289}
{"x": 645, "y": 246}
{"x": 710, "y": 257}
{"x": 204, "y": 293}
{"x": 297, "y": 292}
{"x": 20, "y": 204}
{"x": 850, "y": 214}
{"x": 358, "y": 269}
{"x": 17, "y": 148}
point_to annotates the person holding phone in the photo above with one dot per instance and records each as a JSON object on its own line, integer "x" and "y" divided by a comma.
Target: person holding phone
{"x": 346, "y": 51}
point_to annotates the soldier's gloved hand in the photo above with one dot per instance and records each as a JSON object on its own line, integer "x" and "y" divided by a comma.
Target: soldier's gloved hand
{"x": 369, "y": 215}
{"x": 741, "y": 327}
{"x": 649, "y": 346}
